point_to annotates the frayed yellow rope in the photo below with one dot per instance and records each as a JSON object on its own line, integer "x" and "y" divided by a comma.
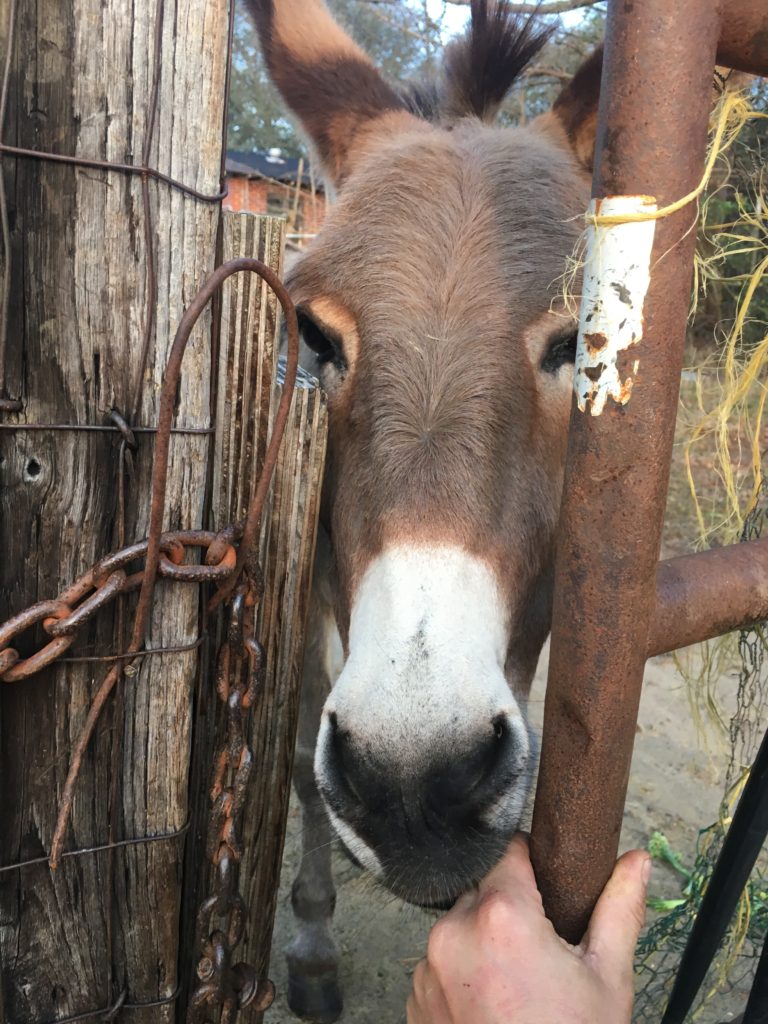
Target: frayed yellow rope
{"x": 732, "y": 113}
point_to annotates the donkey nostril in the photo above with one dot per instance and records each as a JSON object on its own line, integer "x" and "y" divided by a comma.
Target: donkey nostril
{"x": 343, "y": 761}
{"x": 468, "y": 780}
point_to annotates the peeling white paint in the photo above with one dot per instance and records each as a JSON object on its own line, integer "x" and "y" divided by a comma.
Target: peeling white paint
{"x": 616, "y": 278}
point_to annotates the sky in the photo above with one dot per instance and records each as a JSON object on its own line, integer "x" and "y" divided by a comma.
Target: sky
{"x": 456, "y": 16}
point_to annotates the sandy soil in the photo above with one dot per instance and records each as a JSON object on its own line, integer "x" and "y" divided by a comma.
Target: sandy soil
{"x": 675, "y": 787}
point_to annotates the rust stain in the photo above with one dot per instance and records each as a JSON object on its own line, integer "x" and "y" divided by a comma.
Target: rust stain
{"x": 595, "y": 342}
{"x": 594, "y": 373}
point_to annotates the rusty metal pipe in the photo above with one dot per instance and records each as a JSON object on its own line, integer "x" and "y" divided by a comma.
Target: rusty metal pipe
{"x": 744, "y": 36}
{"x": 652, "y": 132}
{"x": 707, "y": 594}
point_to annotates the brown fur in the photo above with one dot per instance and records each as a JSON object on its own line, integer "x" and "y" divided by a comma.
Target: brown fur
{"x": 431, "y": 296}
{"x": 444, "y": 251}
{"x": 445, "y": 427}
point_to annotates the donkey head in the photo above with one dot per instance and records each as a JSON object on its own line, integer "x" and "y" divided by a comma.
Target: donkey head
{"x": 429, "y": 303}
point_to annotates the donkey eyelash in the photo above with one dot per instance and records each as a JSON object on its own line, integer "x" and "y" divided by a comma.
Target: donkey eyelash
{"x": 561, "y": 349}
{"x": 324, "y": 342}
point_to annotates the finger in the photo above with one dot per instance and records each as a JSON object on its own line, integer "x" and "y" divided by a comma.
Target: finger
{"x": 513, "y": 875}
{"x": 426, "y": 1002}
{"x": 510, "y": 875}
{"x": 466, "y": 903}
{"x": 618, "y": 917}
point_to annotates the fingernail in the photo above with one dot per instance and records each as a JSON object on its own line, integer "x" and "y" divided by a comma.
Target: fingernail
{"x": 646, "y": 871}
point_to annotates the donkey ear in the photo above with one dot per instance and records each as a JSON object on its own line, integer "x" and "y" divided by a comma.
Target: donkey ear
{"x": 324, "y": 77}
{"x": 575, "y": 109}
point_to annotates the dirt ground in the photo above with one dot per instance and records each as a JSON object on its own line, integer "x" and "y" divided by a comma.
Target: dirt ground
{"x": 675, "y": 787}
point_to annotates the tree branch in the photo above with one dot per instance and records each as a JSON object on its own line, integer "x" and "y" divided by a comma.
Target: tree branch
{"x": 541, "y": 72}
{"x": 546, "y": 7}
{"x": 554, "y": 7}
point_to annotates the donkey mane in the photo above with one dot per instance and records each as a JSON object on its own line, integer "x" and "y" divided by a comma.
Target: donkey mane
{"x": 479, "y": 68}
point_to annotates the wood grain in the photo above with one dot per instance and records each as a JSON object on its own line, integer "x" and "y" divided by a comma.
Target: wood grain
{"x": 81, "y": 78}
{"x": 288, "y": 567}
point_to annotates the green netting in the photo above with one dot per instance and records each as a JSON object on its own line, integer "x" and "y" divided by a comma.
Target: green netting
{"x": 730, "y": 976}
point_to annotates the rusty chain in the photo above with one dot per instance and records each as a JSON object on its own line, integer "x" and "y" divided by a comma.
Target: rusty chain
{"x": 65, "y": 615}
{"x": 221, "y": 918}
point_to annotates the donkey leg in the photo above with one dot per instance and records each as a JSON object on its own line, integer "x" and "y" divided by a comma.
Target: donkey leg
{"x": 313, "y": 985}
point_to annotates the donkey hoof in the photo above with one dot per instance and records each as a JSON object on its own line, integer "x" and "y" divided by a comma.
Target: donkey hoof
{"x": 315, "y": 997}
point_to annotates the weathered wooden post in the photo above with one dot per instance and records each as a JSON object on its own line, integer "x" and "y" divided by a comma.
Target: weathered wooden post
{"x": 95, "y": 284}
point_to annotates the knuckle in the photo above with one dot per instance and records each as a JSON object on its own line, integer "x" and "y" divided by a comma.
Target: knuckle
{"x": 420, "y": 976}
{"x": 497, "y": 914}
{"x": 441, "y": 941}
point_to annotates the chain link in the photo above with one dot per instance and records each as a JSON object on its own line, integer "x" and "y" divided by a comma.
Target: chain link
{"x": 221, "y": 917}
{"x": 63, "y": 617}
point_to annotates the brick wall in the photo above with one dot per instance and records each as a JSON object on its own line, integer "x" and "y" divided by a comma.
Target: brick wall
{"x": 255, "y": 195}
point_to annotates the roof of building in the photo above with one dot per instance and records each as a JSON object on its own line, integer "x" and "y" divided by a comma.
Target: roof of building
{"x": 270, "y": 163}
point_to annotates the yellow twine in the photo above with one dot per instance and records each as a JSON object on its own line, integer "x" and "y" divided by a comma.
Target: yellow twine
{"x": 733, "y": 111}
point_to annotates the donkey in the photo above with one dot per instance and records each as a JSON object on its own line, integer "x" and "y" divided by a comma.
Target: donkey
{"x": 429, "y": 310}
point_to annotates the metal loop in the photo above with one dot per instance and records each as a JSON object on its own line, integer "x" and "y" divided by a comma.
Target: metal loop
{"x": 101, "y": 596}
{"x": 8, "y": 657}
{"x": 122, "y": 425}
{"x": 30, "y": 617}
{"x": 28, "y": 666}
{"x": 194, "y": 573}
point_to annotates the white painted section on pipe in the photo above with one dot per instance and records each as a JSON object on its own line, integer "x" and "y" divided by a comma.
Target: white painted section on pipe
{"x": 616, "y": 279}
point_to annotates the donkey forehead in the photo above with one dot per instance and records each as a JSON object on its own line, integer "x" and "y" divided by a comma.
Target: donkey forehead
{"x": 474, "y": 218}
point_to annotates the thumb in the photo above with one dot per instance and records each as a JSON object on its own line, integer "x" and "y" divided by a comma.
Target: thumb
{"x": 618, "y": 917}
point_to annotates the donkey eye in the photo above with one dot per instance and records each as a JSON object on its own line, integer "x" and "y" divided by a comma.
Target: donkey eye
{"x": 561, "y": 349}
{"x": 324, "y": 342}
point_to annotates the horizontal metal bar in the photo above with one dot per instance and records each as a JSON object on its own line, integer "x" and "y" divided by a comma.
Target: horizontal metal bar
{"x": 707, "y": 594}
{"x": 101, "y": 428}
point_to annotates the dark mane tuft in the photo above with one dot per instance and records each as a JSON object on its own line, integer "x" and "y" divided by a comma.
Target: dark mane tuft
{"x": 479, "y": 69}
{"x": 423, "y": 98}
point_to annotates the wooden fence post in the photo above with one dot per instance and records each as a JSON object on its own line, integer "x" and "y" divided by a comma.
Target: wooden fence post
{"x": 82, "y": 76}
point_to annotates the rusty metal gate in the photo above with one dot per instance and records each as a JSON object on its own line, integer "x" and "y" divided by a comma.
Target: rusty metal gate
{"x": 615, "y": 605}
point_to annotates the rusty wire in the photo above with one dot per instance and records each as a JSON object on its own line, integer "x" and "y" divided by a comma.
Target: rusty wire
{"x": 107, "y": 1013}
{"x": 111, "y": 165}
{"x": 84, "y": 851}
{"x": 245, "y": 533}
{"x": 102, "y": 428}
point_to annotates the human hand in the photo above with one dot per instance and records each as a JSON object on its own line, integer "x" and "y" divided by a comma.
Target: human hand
{"x": 496, "y": 959}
